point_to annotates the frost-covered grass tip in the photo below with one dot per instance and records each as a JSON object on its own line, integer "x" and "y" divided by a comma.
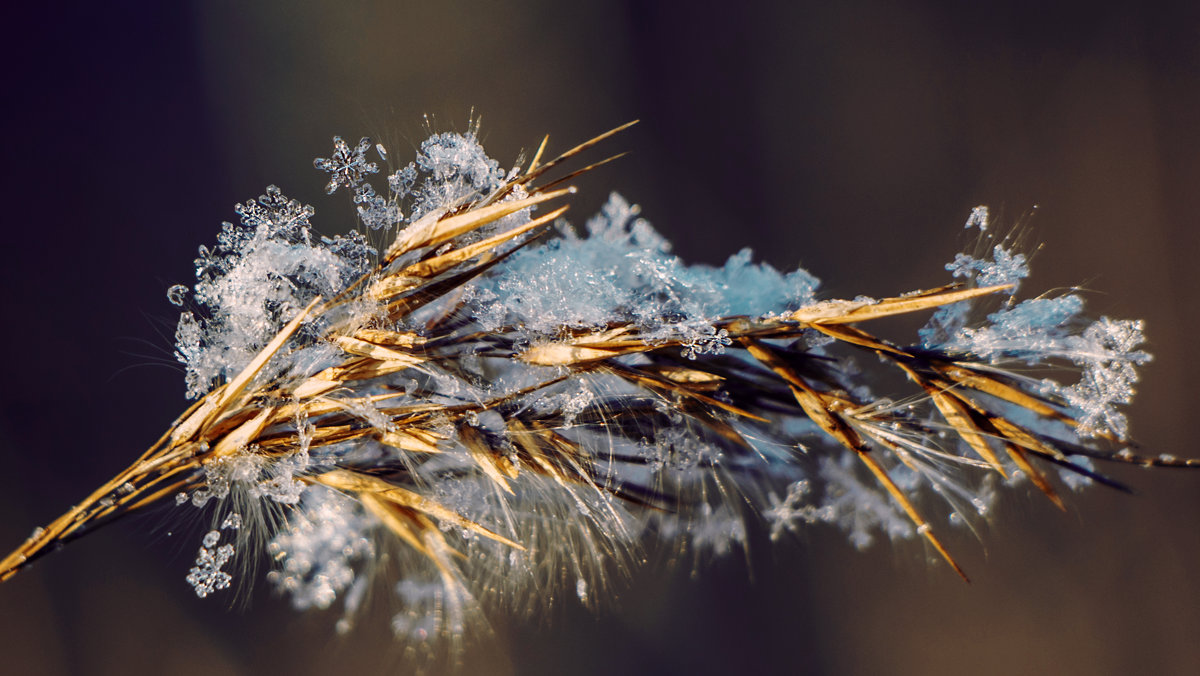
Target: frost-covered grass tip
{"x": 505, "y": 408}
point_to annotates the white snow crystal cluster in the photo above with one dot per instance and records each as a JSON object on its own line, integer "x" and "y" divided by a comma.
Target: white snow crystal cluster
{"x": 206, "y": 576}
{"x": 449, "y": 167}
{"x": 261, "y": 272}
{"x": 622, "y": 271}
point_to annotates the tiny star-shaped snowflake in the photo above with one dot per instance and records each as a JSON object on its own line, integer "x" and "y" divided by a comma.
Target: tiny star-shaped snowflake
{"x": 347, "y": 167}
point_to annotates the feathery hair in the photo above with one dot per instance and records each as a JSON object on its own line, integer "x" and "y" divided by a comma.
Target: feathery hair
{"x": 502, "y": 406}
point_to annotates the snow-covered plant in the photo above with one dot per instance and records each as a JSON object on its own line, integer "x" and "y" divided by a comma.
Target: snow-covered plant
{"x": 504, "y": 408}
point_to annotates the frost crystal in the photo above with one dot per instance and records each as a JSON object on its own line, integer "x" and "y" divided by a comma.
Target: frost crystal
{"x": 1106, "y": 350}
{"x": 177, "y": 294}
{"x": 206, "y": 576}
{"x": 784, "y": 514}
{"x": 257, "y": 277}
{"x": 622, "y": 272}
{"x": 978, "y": 219}
{"x": 1004, "y": 268}
{"x": 1033, "y": 331}
{"x": 347, "y": 167}
{"x": 276, "y": 214}
{"x": 448, "y": 168}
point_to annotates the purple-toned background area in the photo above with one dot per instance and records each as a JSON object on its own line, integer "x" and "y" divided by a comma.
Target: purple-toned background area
{"x": 852, "y": 138}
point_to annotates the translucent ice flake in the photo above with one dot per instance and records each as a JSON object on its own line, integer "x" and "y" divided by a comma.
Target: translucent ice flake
{"x": 177, "y": 294}
{"x": 239, "y": 470}
{"x": 619, "y": 223}
{"x": 375, "y": 211}
{"x": 275, "y": 213}
{"x": 431, "y": 609}
{"x": 944, "y": 325}
{"x": 978, "y": 219}
{"x": 346, "y": 167}
{"x": 1034, "y": 331}
{"x": 206, "y": 576}
{"x": 785, "y": 514}
{"x": 859, "y": 508}
{"x": 1004, "y": 268}
{"x": 748, "y": 288}
{"x": 716, "y": 531}
{"x": 1074, "y": 480}
{"x": 1106, "y": 350}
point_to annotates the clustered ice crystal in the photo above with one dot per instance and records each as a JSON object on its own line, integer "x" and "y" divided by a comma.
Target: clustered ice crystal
{"x": 260, "y": 273}
{"x": 206, "y": 576}
{"x": 619, "y": 270}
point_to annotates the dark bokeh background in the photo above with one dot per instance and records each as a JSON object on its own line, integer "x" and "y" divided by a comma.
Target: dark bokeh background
{"x": 850, "y": 137}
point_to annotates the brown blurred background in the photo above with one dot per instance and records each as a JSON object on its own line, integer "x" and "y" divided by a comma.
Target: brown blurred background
{"x": 852, "y": 138}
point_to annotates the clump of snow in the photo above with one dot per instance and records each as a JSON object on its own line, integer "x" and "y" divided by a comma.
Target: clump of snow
{"x": 1107, "y": 352}
{"x": 622, "y": 271}
{"x": 448, "y": 168}
{"x": 258, "y": 276}
{"x": 1004, "y": 268}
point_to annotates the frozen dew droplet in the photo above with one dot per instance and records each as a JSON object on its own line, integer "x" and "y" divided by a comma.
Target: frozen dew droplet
{"x": 181, "y": 497}
{"x": 177, "y": 294}
{"x": 381, "y": 150}
{"x": 232, "y": 522}
{"x": 581, "y": 589}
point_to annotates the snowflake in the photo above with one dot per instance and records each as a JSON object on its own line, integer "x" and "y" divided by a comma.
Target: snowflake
{"x": 448, "y": 168}
{"x": 275, "y": 212}
{"x": 978, "y": 218}
{"x": 1005, "y": 268}
{"x": 785, "y": 514}
{"x": 374, "y": 210}
{"x": 206, "y": 576}
{"x": 1106, "y": 350}
{"x": 347, "y": 167}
